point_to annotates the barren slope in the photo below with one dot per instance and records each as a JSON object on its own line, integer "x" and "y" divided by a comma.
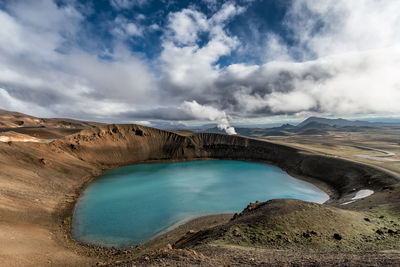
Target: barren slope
{"x": 40, "y": 182}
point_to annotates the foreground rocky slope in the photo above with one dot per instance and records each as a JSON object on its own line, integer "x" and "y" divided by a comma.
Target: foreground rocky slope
{"x": 40, "y": 183}
{"x": 295, "y": 224}
{"x": 285, "y": 232}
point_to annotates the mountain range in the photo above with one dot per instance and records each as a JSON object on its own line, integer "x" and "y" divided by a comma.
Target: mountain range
{"x": 20, "y": 122}
{"x": 310, "y": 126}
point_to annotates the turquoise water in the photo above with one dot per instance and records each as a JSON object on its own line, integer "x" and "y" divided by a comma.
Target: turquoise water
{"x": 130, "y": 205}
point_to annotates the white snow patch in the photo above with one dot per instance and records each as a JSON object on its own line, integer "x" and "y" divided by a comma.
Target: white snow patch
{"x": 363, "y": 193}
{"x": 359, "y": 195}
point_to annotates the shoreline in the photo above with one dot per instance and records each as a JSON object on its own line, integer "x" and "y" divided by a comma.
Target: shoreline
{"x": 172, "y": 233}
{"x": 68, "y": 212}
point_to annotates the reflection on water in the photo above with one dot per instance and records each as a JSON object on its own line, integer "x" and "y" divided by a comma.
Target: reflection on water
{"x": 131, "y": 204}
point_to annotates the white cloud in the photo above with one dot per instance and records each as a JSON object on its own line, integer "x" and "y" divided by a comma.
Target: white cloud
{"x": 184, "y": 26}
{"x": 145, "y": 123}
{"x": 186, "y": 64}
{"x": 354, "y": 82}
{"x": 345, "y": 61}
{"x": 127, "y": 4}
{"x": 351, "y": 56}
{"x": 134, "y": 30}
{"x": 211, "y": 4}
{"x": 124, "y": 28}
{"x": 76, "y": 83}
{"x": 140, "y": 17}
{"x": 45, "y": 15}
{"x": 126, "y": 78}
{"x": 332, "y": 27}
{"x": 227, "y": 11}
{"x": 276, "y": 49}
{"x": 154, "y": 27}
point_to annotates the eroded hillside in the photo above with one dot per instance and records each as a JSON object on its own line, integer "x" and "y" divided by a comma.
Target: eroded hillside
{"x": 41, "y": 182}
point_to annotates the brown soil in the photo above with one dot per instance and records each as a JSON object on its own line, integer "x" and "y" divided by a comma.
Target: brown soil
{"x": 10, "y": 119}
{"x": 239, "y": 256}
{"x": 39, "y": 184}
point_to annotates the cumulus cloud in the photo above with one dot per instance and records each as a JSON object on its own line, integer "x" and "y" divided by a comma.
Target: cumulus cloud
{"x": 350, "y": 55}
{"x": 36, "y": 70}
{"x": 342, "y": 58}
{"x": 326, "y": 28}
{"x": 338, "y": 66}
{"x": 342, "y": 84}
{"x": 186, "y": 65}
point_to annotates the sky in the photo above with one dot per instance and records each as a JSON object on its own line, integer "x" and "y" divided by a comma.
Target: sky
{"x": 188, "y": 62}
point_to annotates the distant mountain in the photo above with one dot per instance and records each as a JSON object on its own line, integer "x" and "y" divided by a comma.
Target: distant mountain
{"x": 310, "y": 126}
{"x": 286, "y": 126}
{"x": 315, "y": 125}
{"x": 256, "y": 132}
{"x": 338, "y": 122}
{"x": 348, "y": 123}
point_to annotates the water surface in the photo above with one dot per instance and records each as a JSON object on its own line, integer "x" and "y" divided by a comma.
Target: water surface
{"x": 129, "y": 205}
